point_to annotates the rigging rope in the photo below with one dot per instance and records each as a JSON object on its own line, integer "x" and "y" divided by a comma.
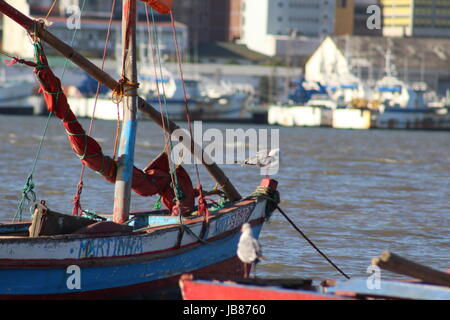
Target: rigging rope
{"x": 274, "y": 199}
{"x": 51, "y": 9}
{"x": 29, "y": 185}
{"x": 202, "y": 206}
{"x": 157, "y": 54}
{"x": 77, "y": 210}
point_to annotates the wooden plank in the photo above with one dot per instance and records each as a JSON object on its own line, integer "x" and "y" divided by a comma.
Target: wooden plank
{"x": 394, "y": 263}
{"x": 48, "y": 223}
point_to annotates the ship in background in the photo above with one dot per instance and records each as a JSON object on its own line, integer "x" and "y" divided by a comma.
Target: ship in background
{"x": 206, "y": 101}
{"x": 18, "y": 95}
{"x": 389, "y": 104}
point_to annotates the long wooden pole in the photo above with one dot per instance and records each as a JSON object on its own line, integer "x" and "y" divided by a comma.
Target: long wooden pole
{"x": 105, "y": 79}
{"x": 394, "y": 263}
{"x": 125, "y": 163}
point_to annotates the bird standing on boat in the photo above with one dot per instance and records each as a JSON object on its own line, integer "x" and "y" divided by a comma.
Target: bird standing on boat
{"x": 249, "y": 250}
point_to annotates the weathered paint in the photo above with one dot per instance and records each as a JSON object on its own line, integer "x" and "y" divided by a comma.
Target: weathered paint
{"x": 127, "y": 149}
{"x": 16, "y": 227}
{"x": 122, "y": 195}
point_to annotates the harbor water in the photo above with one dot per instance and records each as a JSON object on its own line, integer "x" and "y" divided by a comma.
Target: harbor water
{"x": 354, "y": 193}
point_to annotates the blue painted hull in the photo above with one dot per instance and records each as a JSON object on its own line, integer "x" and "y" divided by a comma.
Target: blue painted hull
{"x": 53, "y": 280}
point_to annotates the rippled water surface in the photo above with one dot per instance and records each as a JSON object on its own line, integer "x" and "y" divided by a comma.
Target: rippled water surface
{"x": 354, "y": 193}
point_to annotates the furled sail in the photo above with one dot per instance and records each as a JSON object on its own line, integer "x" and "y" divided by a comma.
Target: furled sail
{"x": 162, "y": 6}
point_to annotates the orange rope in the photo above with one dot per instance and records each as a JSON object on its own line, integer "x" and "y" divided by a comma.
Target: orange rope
{"x": 124, "y": 86}
{"x": 51, "y": 9}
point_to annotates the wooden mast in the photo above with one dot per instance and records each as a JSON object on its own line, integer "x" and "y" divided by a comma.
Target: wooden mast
{"x": 105, "y": 79}
{"x": 129, "y": 106}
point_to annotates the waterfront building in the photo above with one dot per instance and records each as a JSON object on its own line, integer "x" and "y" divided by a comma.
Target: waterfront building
{"x": 416, "y": 18}
{"x": 364, "y": 59}
{"x": 90, "y": 40}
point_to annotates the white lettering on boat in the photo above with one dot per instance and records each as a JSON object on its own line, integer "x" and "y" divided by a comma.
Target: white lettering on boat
{"x": 230, "y": 222}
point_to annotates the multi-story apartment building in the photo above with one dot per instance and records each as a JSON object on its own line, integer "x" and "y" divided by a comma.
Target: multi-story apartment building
{"x": 416, "y": 18}
{"x": 94, "y": 22}
{"x": 269, "y": 23}
{"x": 210, "y": 21}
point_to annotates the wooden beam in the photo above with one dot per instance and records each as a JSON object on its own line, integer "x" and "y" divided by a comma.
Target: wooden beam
{"x": 67, "y": 51}
{"x": 394, "y": 263}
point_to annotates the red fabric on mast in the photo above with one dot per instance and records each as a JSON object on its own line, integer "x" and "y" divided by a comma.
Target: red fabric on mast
{"x": 162, "y": 6}
{"x": 155, "y": 180}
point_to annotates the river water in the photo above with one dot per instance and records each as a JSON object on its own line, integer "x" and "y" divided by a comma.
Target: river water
{"x": 354, "y": 193}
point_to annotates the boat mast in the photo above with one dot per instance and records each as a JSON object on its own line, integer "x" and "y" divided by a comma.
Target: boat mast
{"x": 129, "y": 106}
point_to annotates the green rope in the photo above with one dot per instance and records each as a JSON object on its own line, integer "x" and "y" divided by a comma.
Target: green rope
{"x": 29, "y": 185}
{"x": 157, "y": 205}
{"x": 26, "y": 192}
{"x": 93, "y": 215}
{"x": 218, "y": 205}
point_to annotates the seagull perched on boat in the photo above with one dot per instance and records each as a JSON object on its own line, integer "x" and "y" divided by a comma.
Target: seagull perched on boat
{"x": 263, "y": 158}
{"x": 249, "y": 250}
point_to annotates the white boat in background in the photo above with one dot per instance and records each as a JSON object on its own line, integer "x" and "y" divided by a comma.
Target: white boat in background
{"x": 403, "y": 107}
{"x": 18, "y": 96}
{"x": 309, "y": 106}
{"x": 353, "y": 118}
{"x": 203, "y": 102}
{"x": 206, "y": 99}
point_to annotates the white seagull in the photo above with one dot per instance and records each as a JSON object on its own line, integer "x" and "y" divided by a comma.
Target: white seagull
{"x": 249, "y": 250}
{"x": 263, "y": 158}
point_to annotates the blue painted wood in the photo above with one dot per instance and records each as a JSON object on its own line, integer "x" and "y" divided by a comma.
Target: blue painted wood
{"x": 394, "y": 289}
{"x": 143, "y": 221}
{"x": 14, "y": 227}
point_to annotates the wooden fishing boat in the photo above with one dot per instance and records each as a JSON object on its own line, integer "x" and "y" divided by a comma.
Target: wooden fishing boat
{"x": 119, "y": 261}
{"x": 99, "y": 255}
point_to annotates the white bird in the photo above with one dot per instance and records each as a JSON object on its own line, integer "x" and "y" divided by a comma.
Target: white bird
{"x": 263, "y": 158}
{"x": 249, "y": 250}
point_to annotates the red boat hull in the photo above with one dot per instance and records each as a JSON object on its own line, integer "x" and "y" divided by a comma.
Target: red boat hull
{"x": 210, "y": 290}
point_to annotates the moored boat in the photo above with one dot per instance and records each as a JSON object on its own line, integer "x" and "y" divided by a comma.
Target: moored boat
{"x": 127, "y": 253}
{"x": 144, "y": 257}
